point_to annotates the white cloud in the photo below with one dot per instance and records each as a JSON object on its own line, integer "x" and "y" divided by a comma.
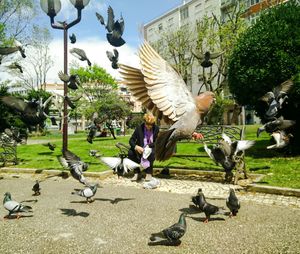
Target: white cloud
{"x": 95, "y": 50}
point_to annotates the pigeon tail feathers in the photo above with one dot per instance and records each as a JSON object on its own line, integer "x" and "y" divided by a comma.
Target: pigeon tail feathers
{"x": 164, "y": 148}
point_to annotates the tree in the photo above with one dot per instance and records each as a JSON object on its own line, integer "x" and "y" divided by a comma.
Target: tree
{"x": 176, "y": 47}
{"x": 38, "y": 61}
{"x": 100, "y": 95}
{"x": 265, "y": 56}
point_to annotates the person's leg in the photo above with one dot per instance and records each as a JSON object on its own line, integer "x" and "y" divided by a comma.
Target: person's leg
{"x": 137, "y": 175}
{"x": 149, "y": 172}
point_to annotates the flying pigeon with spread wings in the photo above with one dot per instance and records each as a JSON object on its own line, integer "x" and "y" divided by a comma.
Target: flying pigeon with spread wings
{"x": 162, "y": 90}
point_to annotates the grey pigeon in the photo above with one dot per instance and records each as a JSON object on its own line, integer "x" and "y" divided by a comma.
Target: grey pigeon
{"x": 207, "y": 208}
{"x": 276, "y": 125}
{"x": 72, "y": 80}
{"x": 120, "y": 165}
{"x": 114, "y": 28}
{"x": 113, "y": 57}
{"x": 93, "y": 152}
{"x": 159, "y": 92}
{"x": 281, "y": 139}
{"x": 50, "y": 146}
{"x": 10, "y": 50}
{"x": 88, "y": 192}
{"x": 206, "y": 57}
{"x": 276, "y": 98}
{"x": 36, "y": 188}
{"x": 15, "y": 66}
{"x": 72, "y": 38}
{"x": 196, "y": 199}
{"x": 173, "y": 233}
{"x": 32, "y": 112}
{"x": 13, "y": 206}
{"x": 80, "y": 54}
{"x": 233, "y": 203}
{"x": 75, "y": 165}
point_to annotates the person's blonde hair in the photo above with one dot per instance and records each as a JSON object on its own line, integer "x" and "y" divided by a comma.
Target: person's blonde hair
{"x": 149, "y": 118}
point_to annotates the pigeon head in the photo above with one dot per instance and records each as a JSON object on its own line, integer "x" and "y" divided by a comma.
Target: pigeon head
{"x": 7, "y": 197}
{"x": 199, "y": 190}
{"x": 85, "y": 166}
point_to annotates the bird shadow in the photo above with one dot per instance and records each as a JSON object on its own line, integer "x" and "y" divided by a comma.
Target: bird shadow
{"x": 45, "y": 153}
{"x": 72, "y": 212}
{"x": 82, "y": 202}
{"x": 114, "y": 201}
{"x": 190, "y": 210}
{"x": 202, "y": 219}
{"x": 29, "y": 201}
{"x": 165, "y": 243}
{"x": 14, "y": 216}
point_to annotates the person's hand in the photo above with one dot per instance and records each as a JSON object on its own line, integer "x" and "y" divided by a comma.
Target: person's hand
{"x": 139, "y": 149}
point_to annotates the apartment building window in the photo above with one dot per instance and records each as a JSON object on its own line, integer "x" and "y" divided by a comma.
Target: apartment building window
{"x": 170, "y": 22}
{"x": 253, "y": 2}
{"x": 160, "y": 27}
{"x": 184, "y": 13}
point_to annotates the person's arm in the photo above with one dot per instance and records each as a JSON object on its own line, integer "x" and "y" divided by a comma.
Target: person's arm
{"x": 155, "y": 133}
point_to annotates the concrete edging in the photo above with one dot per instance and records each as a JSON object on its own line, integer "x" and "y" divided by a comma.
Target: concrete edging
{"x": 273, "y": 190}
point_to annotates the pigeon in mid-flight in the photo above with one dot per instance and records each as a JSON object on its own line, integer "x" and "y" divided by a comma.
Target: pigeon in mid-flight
{"x": 114, "y": 28}
{"x": 233, "y": 203}
{"x": 281, "y": 138}
{"x": 163, "y": 91}
{"x": 72, "y": 38}
{"x": 120, "y": 165}
{"x": 14, "y": 207}
{"x": 31, "y": 112}
{"x": 36, "y": 188}
{"x": 206, "y": 57}
{"x": 50, "y": 146}
{"x": 15, "y": 66}
{"x": 207, "y": 208}
{"x": 75, "y": 165}
{"x": 72, "y": 80}
{"x": 80, "y": 54}
{"x": 87, "y": 192}
{"x": 171, "y": 234}
{"x": 16, "y": 47}
{"x": 113, "y": 57}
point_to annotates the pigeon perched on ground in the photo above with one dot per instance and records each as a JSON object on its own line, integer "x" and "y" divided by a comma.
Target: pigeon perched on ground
{"x": 205, "y": 58}
{"x": 281, "y": 138}
{"x": 207, "y": 208}
{"x": 114, "y": 28}
{"x": 276, "y": 125}
{"x": 50, "y": 146}
{"x": 196, "y": 199}
{"x": 72, "y": 38}
{"x": 80, "y": 54}
{"x": 173, "y": 233}
{"x": 113, "y": 57}
{"x": 88, "y": 192}
{"x": 233, "y": 203}
{"x": 276, "y": 98}
{"x": 16, "y": 47}
{"x": 13, "y": 206}
{"x": 15, "y": 66}
{"x": 36, "y": 188}
{"x": 161, "y": 90}
{"x": 75, "y": 165}
{"x": 32, "y": 112}
{"x": 72, "y": 80}
{"x": 152, "y": 184}
{"x": 121, "y": 165}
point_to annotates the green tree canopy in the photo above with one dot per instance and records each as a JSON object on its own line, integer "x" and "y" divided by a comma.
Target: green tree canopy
{"x": 266, "y": 55}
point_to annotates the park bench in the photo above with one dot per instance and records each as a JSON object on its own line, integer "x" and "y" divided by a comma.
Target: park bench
{"x": 8, "y": 149}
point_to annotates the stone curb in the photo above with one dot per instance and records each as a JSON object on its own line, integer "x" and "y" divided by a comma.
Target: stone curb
{"x": 102, "y": 175}
{"x": 273, "y": 190}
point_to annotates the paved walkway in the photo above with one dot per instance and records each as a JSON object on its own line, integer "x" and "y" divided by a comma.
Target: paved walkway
{"x": 210, "y": 190}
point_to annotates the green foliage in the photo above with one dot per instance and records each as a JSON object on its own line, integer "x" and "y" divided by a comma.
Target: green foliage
{"x": 134, "y": 120}
{"x": 267, "y": 54}
{"x": 215, "y": 115}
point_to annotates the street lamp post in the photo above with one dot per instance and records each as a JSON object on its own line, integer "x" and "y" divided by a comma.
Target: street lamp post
{"x": 51, "y": 8}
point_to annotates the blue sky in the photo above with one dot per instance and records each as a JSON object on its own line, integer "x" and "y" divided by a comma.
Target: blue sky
{"x": 91, "y": 35}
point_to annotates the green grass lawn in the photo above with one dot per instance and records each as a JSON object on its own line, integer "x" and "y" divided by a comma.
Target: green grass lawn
{"x": 279, "y": 169}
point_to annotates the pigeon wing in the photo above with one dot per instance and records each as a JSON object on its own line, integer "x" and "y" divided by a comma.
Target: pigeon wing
{"x": 15, "y": 103}
{"x": 129, "y": 165}
{"x": 63, "y": 77}
{"x": 69, "y": 156}
{"x": 116, "y": 53}
{"x": 157, "y": 84}
{"x": 100, "y": 18}
{"x": 226, "y": 138}
{"x": 112, "y": 162}
{"x": 110, "y": 56}
{"x": 110, "y": 19}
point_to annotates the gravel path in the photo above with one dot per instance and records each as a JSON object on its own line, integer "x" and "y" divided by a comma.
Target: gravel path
{"x": 123, "y": 216}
